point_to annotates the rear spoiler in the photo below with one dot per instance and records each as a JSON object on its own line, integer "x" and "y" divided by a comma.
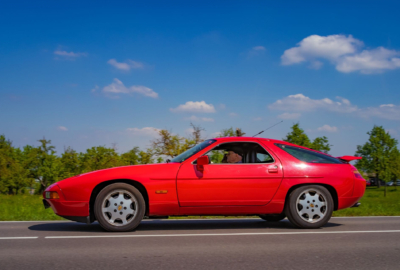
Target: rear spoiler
{"x": 348, "y": 158}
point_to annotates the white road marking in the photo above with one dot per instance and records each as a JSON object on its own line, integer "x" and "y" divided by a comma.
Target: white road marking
{"x": 218, "y": 234}
{"x": 14, "y": 238}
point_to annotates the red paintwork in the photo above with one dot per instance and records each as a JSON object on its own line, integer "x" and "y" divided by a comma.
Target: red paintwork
{"x": 220, "y": 189}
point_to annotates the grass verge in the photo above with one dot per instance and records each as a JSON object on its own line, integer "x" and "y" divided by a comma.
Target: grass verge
{"x": 30, "y": 207}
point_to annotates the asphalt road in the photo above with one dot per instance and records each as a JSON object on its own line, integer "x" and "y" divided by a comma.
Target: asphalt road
{"x": 344, "y": 243}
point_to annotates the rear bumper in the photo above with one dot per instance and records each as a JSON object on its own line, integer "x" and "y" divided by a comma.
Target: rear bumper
{"x": 346, "y": 202}
{"x": 358, "y": 193}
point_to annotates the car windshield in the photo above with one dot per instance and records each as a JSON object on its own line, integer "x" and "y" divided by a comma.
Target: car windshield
{"x": 187, "y": 154}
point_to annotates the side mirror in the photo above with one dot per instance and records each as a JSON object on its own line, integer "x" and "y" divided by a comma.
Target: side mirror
{"x": 201, "y": 161}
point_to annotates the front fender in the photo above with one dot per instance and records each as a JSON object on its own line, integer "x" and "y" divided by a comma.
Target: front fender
{"x": 152, "y": 176}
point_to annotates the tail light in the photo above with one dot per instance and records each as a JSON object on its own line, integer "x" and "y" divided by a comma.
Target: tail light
{"x": 357, "y": 174}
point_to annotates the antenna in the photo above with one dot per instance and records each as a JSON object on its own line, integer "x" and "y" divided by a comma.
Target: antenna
{"x": 267, "y": 128}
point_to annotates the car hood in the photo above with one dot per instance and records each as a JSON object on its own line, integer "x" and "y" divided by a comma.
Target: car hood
{"x": 134, "y": 172}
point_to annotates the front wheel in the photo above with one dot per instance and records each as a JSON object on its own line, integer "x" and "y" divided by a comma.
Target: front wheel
{"x": 309, "y": 207}
{"x": 119, "y": 207}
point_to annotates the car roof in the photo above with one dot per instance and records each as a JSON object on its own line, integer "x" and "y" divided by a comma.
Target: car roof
{"x": 239, "y": 139}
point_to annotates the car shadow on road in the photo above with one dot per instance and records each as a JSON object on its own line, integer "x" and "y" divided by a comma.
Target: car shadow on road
{"x": 66, "y": 227}
{"x": 177, "y": 225}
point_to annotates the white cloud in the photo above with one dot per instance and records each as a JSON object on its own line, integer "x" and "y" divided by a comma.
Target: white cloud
{"x": 200, "y": 119}
{"x": 257, "y": 119}
{"x": 316, "y": 64}
{"x": 342, "y": 51}
{"x": 327, "y": 128}
{"x": 370, "y": 61}
{"x": 195, "y": 106}
{"x": 289, "y": 115}
{"x": 146, "y": 131}
{"x": 127, "y": 65}
{"x": 293, "y": 104}
{"x": 385, "y": 111}
{"x": 69, "y": 55}
{"x": 62, "y": 128}
{"x": 315, "y": 46}
{"x": 117, "y": 87}
{"x": 255, "y": 51}
{"x": 300, "y": 102}
{"x": 258, "y": 48}
{"x": 95, "y": 89}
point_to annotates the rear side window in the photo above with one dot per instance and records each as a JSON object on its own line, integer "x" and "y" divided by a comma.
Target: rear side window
{"x": 307, "y": 155}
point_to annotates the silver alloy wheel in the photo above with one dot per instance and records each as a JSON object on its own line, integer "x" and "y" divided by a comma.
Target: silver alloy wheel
{"x": 119, "y": 207}
{"x": 311, "y": 205}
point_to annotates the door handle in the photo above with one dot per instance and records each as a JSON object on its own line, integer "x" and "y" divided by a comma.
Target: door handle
{"x": 273, "y": 169}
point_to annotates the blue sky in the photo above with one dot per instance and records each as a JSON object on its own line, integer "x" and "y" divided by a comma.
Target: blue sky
{"x": 88, "y": 73}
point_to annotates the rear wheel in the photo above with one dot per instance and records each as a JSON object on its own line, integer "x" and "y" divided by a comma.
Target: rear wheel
{"x": 119, "y": 207}
{"x": 309, "y": 207}
{"x": 273, "y": 217}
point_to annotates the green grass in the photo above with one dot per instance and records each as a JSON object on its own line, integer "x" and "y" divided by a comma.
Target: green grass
{"x": 24, "y": 207}
{"x": 30, "y": 207}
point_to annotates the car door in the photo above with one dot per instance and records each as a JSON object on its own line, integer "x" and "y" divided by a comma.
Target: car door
{"x": 253, "y": 182}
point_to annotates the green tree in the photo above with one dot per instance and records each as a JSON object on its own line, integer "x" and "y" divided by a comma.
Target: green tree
{"x": 378, "y": 155}
{"x": 196, "y": 136}
{"x": 171, "y": 145}
{"x": 394, "y": 164}
{"x": 321, "y": 144}
{"x": 46, "y": 166}
{"x": 71, "y": 163}
{"x": 239, "y": 132}
{"x": 299, "y": 137}
{"x": 98, "y": 158}
{"x": 230, "y": 132}
{"x": 136, "y": 156}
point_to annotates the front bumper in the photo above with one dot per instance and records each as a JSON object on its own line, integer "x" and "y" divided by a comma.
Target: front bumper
{"x": 65, "y": 208}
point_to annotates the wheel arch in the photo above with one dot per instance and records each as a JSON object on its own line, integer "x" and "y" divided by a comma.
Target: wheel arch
{"x": 102, "y": 185}
{"x": 330, "y": 188}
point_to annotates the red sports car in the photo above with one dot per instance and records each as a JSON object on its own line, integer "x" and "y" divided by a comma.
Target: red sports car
{"x": 225, "y": 176}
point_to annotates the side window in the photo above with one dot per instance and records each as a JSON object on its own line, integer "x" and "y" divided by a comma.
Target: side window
{"x": 216, "y": 156}
{"x": 261, "y": 156}
{"x": 264, "y": 158}
{"x": 308, "y": 156}
{"x": 239, "y": 153}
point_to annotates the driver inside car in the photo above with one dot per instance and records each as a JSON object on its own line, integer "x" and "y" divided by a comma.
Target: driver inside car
{"x": 233, "y": 157}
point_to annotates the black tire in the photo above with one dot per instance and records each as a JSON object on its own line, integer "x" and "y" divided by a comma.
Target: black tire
{"x": 131, "y": 207}
{"x": 305, "y": 199}
{"x": 273, "y": 217}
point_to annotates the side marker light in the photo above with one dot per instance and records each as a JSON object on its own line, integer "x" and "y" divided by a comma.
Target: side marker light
{"x": 52, "y": 195}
